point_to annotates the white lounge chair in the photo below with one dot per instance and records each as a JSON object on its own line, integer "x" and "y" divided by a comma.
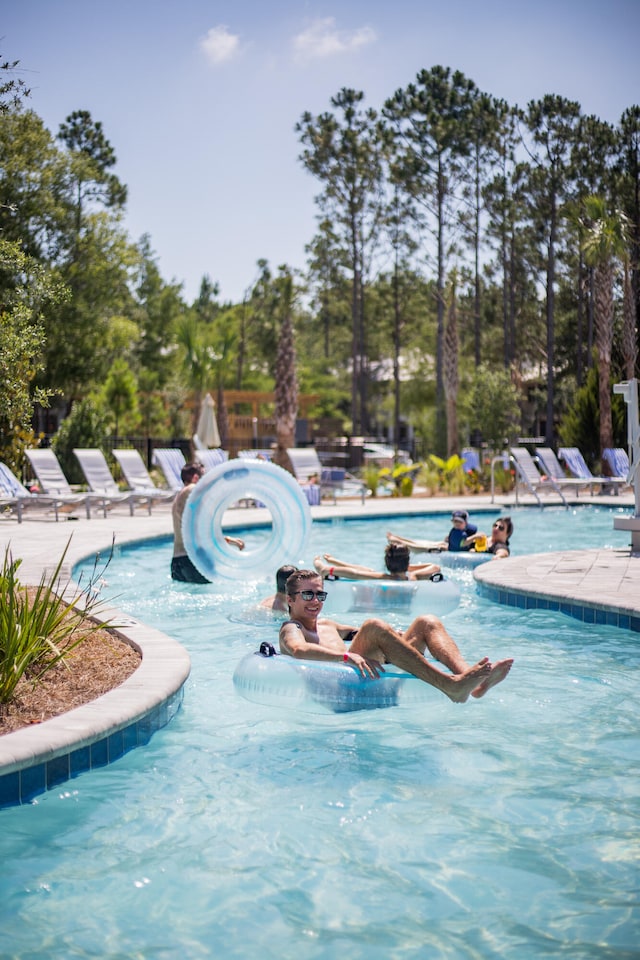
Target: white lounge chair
{"x": 332, "y": 480}
{"x": 171, "y": 461}
{"x": 578, "y": 467}
{"x": 529, "y": 475}
{"x": 101, "y": 483}
{"x": 137, "y": 476}
{"x": 211, "y": 458}
{"x": 553, "y": 468}
{"x": 15, "y": 495}
{"x": 617, "y": 459}
{"x": 52, "y": 481}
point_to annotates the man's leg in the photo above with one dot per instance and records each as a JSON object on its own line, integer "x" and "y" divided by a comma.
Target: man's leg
{"x": 376, "y": 640}
{"x": 428, "y": 632}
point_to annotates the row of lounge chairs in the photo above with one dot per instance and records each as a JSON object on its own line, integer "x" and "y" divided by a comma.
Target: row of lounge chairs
{"x": 544, "y": 473}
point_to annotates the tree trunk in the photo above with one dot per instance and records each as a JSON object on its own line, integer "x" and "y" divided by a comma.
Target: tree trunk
{"x": 603, "y": 309}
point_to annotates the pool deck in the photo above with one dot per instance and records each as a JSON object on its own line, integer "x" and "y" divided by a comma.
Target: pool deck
{"x": 598, "y": 586}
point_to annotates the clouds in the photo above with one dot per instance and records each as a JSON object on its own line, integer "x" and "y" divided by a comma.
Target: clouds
{"x": 320, "y": 40}
{"x": 220, "y": 45}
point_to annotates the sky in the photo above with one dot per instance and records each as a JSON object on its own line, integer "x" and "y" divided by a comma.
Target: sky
{"x": 200, "y": 99}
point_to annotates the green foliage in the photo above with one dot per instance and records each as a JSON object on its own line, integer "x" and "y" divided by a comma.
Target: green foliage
{"x": 120, "y": 391}
{"x": 86, "y": 426}
{"x": 28, "y": 287}
{"x": 39, "y": 632}
{"x": 492, "y": 405}
{"x": 580, "y": 425}
{"x": 450, "y": 472}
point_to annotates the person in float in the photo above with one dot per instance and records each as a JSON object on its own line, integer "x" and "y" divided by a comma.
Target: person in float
{"x": 307, "y": 635}
{"x": 396, "y": 559}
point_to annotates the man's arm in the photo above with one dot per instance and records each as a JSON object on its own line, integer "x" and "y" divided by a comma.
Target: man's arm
{"x": 423, "y": 571}
{"x": 294, "y": 643}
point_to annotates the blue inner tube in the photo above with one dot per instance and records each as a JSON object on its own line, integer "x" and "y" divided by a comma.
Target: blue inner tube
{"x": 373, "y": 596}
{"x": 462, "y": 558}
{"x": 316, "y": 687}
{"x": 236, "y": 480}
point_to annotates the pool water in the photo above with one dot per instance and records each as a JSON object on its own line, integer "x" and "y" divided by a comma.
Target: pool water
{"x": 502, "y": 828}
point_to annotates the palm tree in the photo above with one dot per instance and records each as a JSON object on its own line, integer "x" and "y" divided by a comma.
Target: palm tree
{"x": 450, "y": 370}
{"x": 605, "y": 245}
{"x": 286, "y": 382}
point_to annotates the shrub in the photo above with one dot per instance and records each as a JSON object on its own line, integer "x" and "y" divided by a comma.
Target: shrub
{"x": 38, "y": 631}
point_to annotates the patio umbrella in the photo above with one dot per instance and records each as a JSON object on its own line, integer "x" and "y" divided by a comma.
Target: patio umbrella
{"x": 207, "y": 424}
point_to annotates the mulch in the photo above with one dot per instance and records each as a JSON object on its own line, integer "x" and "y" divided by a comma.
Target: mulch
{"x": 101, "y": 662}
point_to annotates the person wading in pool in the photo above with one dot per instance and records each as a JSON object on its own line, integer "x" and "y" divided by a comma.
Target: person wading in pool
{"x": 181, "y": 566}
{"x": 278, "y": 602}
{"x": 307, "y": 635}
{"x": 396, "y": 559}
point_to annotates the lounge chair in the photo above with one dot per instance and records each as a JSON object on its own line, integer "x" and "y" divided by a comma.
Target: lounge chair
{"x": 530, "y": 476}
{"x": 212, "y": 458}
{"x": 52, "y": 481}
{"x": 578, "y": 467}
{"x": 258, "y": 454}
{"x": 553, "y": 468}
{"x": 101, "y": 483}
{"x": 171, "y": 461}
{"x": 137, "y": 476}
{"x": 617, "y": 459}
{"x": 15, "y": 495}
{"x": 333, "y": 481}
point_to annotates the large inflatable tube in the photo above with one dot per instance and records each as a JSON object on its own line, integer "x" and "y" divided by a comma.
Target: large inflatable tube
{"x": 464, "y": 559}
{"x": 316, "y": 687}
{"x": 236, "y": 480}
{"x": 374, "y": 596}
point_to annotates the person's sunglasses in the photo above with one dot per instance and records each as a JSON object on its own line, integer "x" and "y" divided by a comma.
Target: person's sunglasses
{"x": 499, "y": 526}
{"x": 310, "y": 594}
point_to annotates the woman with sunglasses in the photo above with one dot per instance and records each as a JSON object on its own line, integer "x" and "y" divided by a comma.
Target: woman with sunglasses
{"x": 307, "y": 635}
{"x": 498, "y": 541}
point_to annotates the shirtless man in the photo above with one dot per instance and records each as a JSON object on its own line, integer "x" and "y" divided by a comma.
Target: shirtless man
{"x": 309, "y": 636}
{"x": 396, "y": 559}
{"x": 278, "y": 602}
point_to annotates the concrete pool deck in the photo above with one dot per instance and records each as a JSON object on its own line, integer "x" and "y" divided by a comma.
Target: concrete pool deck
{"x": 598, "y": 586}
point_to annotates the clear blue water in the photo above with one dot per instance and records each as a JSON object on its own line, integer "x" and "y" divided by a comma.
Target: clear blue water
{"x": 502, "y": 828}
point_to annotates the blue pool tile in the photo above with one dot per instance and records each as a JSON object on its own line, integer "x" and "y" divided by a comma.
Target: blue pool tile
{"x": 79, "y": 761}
{"x": 57, "y": 770}
{"x": 115, "y": 745}
{"x": 10, "y": 789}
{"x": 33, "y": 780}
{"x": 99, "y": 753}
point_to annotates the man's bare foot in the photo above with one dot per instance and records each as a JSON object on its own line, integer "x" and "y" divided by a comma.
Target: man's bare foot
{"x": 465, "y": 683}
{"x": 499, "y": 671}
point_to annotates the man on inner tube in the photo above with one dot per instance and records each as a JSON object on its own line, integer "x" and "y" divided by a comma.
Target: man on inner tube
{"x": 307, "y": 635}
{"x": 396, "y": 559}
{"x": 181, "y": 566}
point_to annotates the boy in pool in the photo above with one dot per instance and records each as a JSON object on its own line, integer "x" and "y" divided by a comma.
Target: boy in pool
{"x": 396, "y": 559}
{"x": 309, "y": 636}
{"x": 456, "y": 540}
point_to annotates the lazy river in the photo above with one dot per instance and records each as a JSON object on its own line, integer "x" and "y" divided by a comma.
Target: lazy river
{"x": 501, "y": 828}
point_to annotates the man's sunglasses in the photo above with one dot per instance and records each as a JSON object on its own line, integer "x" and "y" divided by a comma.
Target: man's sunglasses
{"x": 310, "y": 594}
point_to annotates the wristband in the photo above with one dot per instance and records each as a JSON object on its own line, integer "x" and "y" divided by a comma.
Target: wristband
{"x": 345, "y": 657}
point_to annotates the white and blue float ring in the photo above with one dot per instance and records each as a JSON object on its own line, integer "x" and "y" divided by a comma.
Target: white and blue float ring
{"x": 226, "y": 484}
{"x": 463, "y": 559}
{"x": 314, "y": 686}
{"x": 373, "y": 596}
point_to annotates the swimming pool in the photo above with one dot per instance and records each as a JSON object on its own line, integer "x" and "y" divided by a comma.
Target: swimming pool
{"x": 503, "y": 828}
